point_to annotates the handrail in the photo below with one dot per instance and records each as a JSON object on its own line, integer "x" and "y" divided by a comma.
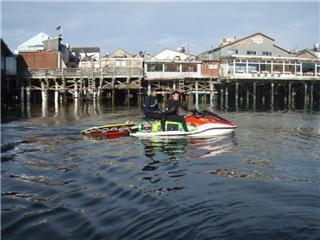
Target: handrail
{"x": 78, "y": 72}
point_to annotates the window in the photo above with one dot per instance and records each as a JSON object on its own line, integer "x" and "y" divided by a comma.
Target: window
{"x": 120, "y": 63}
{"x": 251, "y": 52}
{"x": 154, "y": 67}
{"x": 172, "y": 67}
{"x": 211, "y": 66}
{"x": 265, "y": 53}
{"x": 189, "y": 67}
{"x": 232, "y": 51}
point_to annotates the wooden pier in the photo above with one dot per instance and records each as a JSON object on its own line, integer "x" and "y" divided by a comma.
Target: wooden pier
{"x": 97, "y": 84}
{"x": 80, "y": 83}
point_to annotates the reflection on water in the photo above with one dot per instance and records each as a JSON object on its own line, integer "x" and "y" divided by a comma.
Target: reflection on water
{"x": 57, "y": 184}
{"x": 188, "y": 148}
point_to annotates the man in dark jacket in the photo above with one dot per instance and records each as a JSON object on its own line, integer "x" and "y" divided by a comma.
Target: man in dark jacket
{"x": 172, "y": 110}
{"x": 151, "y": 108}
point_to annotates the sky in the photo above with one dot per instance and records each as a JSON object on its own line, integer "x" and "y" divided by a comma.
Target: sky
{"x": 157, "y": 25}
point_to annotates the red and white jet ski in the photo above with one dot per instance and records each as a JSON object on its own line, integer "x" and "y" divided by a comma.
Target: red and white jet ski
{"x": 200, "y": 124}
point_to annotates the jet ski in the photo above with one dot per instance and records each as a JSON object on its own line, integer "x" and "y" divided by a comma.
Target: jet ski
{"x": 200, "y": 124}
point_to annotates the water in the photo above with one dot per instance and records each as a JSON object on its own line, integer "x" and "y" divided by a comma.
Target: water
{"x": 262, "y": 182}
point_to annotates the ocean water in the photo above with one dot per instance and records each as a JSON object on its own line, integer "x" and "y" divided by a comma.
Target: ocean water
{"x": 262, "y": 182}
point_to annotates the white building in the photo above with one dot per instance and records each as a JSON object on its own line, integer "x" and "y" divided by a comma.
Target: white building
{"x": 33, "y": 44}
{"x": 171, "y": 64}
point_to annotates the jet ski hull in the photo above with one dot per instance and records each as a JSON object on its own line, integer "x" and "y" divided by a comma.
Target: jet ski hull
{"x": 206, "y": 130}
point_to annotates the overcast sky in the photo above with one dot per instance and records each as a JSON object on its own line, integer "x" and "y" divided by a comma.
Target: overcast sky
{"x": 153, "y": 26}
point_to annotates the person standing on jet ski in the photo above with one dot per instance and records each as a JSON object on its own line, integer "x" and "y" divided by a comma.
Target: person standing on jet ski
{"x": 151, "y": 108}
{"x": 172, "y": 110}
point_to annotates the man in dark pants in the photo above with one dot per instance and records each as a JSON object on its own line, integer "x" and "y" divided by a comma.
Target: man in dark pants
{"x": 172, "y": 111}
{"x": 151, "y": 108}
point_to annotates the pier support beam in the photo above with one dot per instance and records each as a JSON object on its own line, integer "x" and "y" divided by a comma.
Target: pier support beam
{"x": 211, "y": 93}
{"x": 254, "y": 95}
{"x": 221, "y": 98}
{"x": 272, "y": 95}
{"x": 44, "y": 91}
{"x": 191, "y": 99}
{"x": 237, "y": 95}
{"x": 128, "y": 98}
{"x": 81, "y": 88}
{"x": 100, "y": 87}
{"x": 76, "y": 91}
{"x": 306, "y": 95}
{"x": 311, "y": 96}
{"x": 64, "y": 89}
{"x": 44, "y": 98}
{"x": 113, "y": 98}
{"x": 22, "y": 97}
{"x": 197, "y": 93}
{"x": 204, "y": 99}
{"x": 247, "y": 97}
{"x": 139, "y": 98}
{"x": 28, "y": 91}
{"x": 263, "y": 94}
{"x": 56, "y": 97}
{"x": 227, "y": 97}
{"x": 290, "y": 95}
{"x": 293, "y": 97}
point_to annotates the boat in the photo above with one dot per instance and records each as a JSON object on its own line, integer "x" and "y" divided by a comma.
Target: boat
{"x": 200, "y": 124}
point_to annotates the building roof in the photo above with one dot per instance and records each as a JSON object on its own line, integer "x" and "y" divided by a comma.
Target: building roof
{"x": 34, "y": 43}
{"x": 154, "y": 57}
{"x": 120, "y": 53}
{"x": 282, "y": 48}
{"x": 85, "y": 49}
{"x": 241, "y": 39}
{"x": 314, "y": 53}
{"x": 5, "y": 50}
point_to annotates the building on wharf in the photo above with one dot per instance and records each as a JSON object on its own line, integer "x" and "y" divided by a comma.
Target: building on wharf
{"x": 255, "y": 69}
{"x": 79, "y": 73}
{"x": 239, "y": 72}
{"x": 177, "y": 70}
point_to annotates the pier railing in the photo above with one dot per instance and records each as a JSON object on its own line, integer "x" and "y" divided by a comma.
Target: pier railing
{"x": 273, "y": 76}
{"x": 106, "y": 72}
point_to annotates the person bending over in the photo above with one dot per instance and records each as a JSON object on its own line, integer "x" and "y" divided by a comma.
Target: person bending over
{"x": 151, "y": 108}
{"x": 172, "y": 110}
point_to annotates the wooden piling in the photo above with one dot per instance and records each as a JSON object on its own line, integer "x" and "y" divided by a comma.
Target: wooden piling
{"x": 227, "y": 97}
{"x": 290, "y": 95}
{"x": 197, "y": 93}
{"x": 272, "y": 95}
{"x": 254, "y": 94}
{"x": 28, "y": 90}
{"x": 76, "y": 91}
{"x": 113, "y": 98}
{"x": 56, "y": 96}
{"x": 247, "y": 96}
{"x": 221, "y": 97}
{"x": 311, "y": 96}
{"x": 237, "y": 95}
{"x": 22, "y": 96}
{"x": 306, "y": 95}
{"x": 211, "y": 93}
{"x": 293, "y": 97}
